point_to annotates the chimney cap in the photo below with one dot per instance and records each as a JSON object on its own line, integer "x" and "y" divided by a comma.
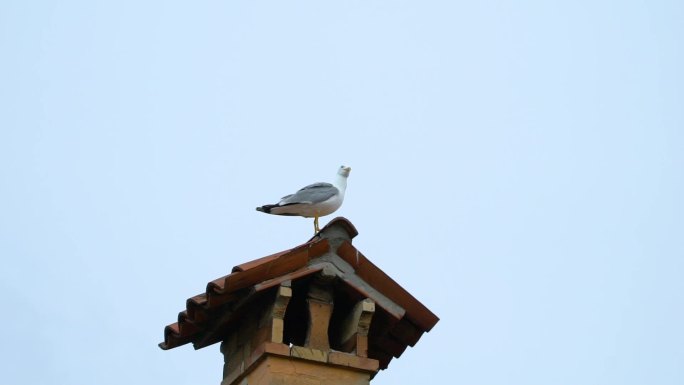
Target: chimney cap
{"x": 403, "y": 319}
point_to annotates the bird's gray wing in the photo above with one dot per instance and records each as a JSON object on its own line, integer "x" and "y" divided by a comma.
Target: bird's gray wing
{"x": 311, "y": 194}
{"x": 316, "y": 185}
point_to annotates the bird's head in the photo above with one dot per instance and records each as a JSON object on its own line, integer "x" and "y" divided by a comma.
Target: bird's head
{"x": 344, "y": 171}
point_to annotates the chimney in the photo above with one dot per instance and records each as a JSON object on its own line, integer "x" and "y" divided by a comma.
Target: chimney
{"x": 320, "y": 313}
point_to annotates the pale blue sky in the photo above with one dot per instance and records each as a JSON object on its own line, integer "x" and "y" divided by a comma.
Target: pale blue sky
{"x": 517, "y": 166}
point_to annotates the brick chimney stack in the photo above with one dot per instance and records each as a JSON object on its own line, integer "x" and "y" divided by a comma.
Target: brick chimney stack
{"x": 320, "y": 313}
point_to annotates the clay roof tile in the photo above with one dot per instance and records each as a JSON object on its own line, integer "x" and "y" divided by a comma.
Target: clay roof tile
{"x": 398, "y": 325}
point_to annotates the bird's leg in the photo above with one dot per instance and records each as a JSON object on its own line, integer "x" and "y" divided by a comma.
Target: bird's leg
{"x": 316, "y": 229}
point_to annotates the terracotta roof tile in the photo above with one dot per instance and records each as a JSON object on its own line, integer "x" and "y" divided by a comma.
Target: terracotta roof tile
{"x": 377, "y": 278}
{"x": 258, "y": 261}
{"x": 225, "y": 290}
{"x": 397, "y": 324}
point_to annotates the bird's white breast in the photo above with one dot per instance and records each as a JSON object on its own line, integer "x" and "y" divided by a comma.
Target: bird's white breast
{"x": 327, "y": 207}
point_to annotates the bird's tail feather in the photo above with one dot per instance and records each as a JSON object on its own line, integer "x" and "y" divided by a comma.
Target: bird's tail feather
{"x": 266, "y": 208}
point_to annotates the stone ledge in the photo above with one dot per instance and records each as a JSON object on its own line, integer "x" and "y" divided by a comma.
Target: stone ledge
{"x": 332, "y": 358}
{"x": 309, "y": 354}
{"x": 353, "y": 361}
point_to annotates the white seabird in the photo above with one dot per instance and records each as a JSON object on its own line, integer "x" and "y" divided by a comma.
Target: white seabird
{"x": 313, "y": 201}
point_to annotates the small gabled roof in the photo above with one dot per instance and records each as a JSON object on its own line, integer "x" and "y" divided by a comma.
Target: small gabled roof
{"x": 399, "y": 322}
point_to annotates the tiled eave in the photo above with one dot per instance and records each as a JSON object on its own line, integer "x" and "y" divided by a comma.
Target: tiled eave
{"x": 401, "y": 321}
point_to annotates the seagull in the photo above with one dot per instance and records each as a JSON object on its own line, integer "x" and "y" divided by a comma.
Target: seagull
{"x": 313, "y": 201}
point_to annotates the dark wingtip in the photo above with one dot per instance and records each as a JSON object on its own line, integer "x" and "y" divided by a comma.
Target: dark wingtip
{"x": 264, "y": 209}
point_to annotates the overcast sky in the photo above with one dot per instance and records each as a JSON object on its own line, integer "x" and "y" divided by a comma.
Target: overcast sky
{"x": 517, "y": 166}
